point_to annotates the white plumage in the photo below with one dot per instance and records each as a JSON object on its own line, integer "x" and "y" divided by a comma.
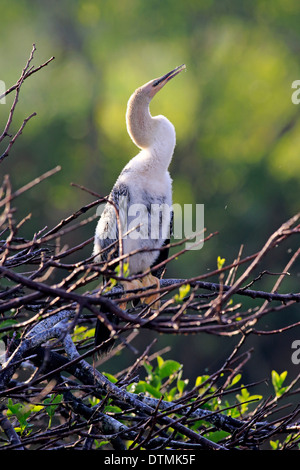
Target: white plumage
{"x": 142, "y": 197}
{"x": 143, "y": 191}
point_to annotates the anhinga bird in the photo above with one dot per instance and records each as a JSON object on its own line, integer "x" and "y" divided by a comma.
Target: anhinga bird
{"x": 143, "y": 187}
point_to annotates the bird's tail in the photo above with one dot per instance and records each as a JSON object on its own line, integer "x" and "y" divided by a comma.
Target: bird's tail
{"x": 102, "y": 334}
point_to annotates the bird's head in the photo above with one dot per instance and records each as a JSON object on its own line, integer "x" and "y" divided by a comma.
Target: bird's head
{"x": 151, "y": 88}
{"x": 140, "y": 124}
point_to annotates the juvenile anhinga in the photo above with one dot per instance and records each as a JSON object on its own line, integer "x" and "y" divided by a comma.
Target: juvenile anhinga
{"x": 141, "y": 195}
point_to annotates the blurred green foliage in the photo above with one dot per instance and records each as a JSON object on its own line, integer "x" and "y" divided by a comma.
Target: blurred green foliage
{"x": 237, "y": 129}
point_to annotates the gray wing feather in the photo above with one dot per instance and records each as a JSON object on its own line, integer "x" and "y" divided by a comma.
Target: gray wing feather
{"x": 107, "y": 232}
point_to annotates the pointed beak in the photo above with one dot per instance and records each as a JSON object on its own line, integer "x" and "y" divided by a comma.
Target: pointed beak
{"x": 160, "y": 82}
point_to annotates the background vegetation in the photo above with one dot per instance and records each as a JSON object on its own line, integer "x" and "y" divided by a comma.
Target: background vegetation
{"x": 237, "y": 129}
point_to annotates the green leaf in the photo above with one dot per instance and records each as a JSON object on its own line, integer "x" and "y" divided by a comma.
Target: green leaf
{"x": 148, "y": 368}
{"x": 200, "y": 380}
{"x": 94, "y": 401}
{"x": 181, "y": 384}
{"x": 216, "y": 436}
{"x": 155, "y": 381}
{"x": 143, "y": 387}
{"x": 168, "y": 368}
{"x": 171, "y": 394}
{"x": 6, "y": 323}
{"x": 125, "y": 269}
{"x": 112, "y": 409}
{"x": 245, "y": 396}
{"x": 137, "y": 387}
{"x": 277, "y": 381}
{"x": 160, "y": 361}
{"x": 183, "y": 292}
{"x": 52, "y": 404}
{"x": 22, "y": 413}
{"x": 36, "y": 408}
{"x": 110, "y": 377}
{"x": 82, "y": 332}
{"x": 235, "y": 380}
{"x": 274, "y": 444}
{"x": 220, "y": 262}
{"x": 152, "y": 390}
{"x": 112, "y": 283}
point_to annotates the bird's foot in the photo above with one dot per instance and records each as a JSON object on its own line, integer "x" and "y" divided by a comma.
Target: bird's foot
{"x": 130, "y": 285}
{"x": 148, "y": 281}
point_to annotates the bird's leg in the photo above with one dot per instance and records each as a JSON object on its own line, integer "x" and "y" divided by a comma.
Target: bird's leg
{"x": 130, "y": 285}
{"x": 147, "y": 281}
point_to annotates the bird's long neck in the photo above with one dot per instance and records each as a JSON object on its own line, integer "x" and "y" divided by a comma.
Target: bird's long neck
{"x": 154, "y": 135}
{"x": 139, "y": 120}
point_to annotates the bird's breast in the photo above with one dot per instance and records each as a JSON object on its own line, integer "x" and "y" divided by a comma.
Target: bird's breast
{"x": 158, "y": 184}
